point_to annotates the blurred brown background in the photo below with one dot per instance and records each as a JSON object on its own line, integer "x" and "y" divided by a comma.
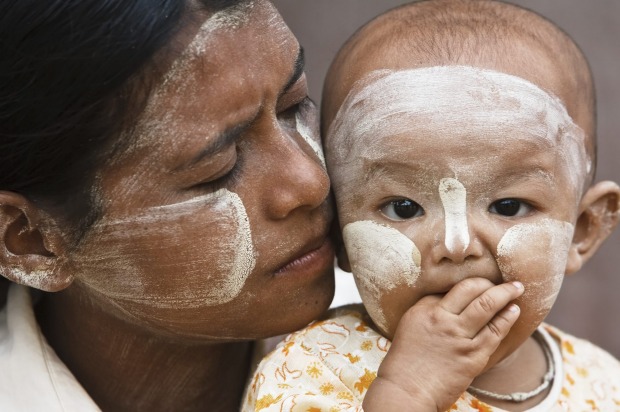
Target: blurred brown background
{"x": 589, "y": 303}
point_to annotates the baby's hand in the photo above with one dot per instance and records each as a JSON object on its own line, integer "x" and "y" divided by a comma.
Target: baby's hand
{"x": 441, "y": 344}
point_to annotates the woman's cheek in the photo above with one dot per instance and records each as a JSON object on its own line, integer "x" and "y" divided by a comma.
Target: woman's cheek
{"x": 382, "y": 260}
{"x": 536, "y": 254}
{"x": 186, "y": 255}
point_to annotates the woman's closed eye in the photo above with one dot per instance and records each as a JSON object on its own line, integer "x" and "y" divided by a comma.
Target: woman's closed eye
{"x": 225, "y": 178}
{"x": 402, "y": 209}
{"x": 511, "y": 208}
{"x": 288, "y": 117}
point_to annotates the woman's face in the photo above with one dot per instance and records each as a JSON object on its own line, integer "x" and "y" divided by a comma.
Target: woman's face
{"x": 214, "y": 221}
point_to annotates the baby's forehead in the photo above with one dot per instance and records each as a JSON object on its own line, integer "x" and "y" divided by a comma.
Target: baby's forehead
{"x": 457, "y": 96}
{"x": 453, "y": 103}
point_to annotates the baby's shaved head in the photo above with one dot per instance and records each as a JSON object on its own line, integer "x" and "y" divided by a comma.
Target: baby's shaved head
{"x": 479, "y": 33}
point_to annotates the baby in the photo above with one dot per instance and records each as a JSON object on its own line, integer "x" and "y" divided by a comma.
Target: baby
{"x": 460, "y": 139}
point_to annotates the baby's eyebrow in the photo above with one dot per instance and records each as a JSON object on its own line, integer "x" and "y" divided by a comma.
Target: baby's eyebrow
{"x": 381, "y": 167}
{"x": 515, "y": 174}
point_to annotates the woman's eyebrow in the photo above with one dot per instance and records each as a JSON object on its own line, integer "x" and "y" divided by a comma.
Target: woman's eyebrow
{"x": 224, "y": 139}
{"x": 228, "y": 136}
{"x": 298, "y": 70}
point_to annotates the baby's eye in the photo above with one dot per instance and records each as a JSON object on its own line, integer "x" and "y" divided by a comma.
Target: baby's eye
{"x": 402, "y": 209}
{"x": 510, "y": 207}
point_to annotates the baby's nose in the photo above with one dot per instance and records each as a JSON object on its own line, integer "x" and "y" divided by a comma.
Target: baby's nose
{"x": 457, "y": 244}
{"x": 454, "y": 199}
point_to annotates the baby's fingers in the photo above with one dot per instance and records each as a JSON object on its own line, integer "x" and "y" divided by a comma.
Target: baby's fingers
{"x": 500, "y": 325}
{"x": 463, "y": 294}
{"x": 490, "y": 311}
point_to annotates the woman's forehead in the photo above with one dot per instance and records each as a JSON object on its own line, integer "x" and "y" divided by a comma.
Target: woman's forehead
{"x": 219, "y": 76}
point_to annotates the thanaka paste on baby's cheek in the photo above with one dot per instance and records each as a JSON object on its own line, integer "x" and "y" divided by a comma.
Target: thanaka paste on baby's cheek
{"x": 382, "y": 259}
{"x": 217, "y": 277}
{"x": 536, "y": 254}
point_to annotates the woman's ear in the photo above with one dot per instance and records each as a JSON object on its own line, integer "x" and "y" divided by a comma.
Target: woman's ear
{"x": 600, "y": 212}
{"x": 32, "y": 248}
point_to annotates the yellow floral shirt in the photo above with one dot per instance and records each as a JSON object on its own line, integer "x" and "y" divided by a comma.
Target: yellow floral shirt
{"x": 328, "y": 367}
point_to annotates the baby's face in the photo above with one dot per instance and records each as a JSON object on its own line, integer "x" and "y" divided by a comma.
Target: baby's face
{"x": 451, "y": 172}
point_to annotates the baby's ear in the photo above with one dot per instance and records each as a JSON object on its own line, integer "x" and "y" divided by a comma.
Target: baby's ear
{"x": 32, "y": 248}
{"x": 600, "y": 212}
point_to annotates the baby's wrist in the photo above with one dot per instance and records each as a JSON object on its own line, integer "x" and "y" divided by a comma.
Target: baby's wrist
{"x": 385, "y": 395}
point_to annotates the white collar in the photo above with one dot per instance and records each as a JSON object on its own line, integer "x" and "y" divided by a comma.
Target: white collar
{"x": 32, "y": 377}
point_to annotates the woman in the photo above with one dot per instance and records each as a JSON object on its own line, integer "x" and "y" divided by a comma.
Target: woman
{"x": 161, "y": 173}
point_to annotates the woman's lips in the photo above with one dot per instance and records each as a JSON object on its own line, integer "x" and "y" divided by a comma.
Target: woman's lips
{"x": 313, "y": 262}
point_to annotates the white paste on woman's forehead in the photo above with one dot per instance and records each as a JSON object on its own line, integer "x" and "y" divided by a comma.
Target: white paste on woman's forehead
{"x": 311, "y": 136}
{"x": 527, "y": 247}
{"x": 453, "y": 198}
{"x": 235, "y": 258}
{"x": 456, "y": 101}
{"x": 230, "y": 18}
{"x": 178, "y": 82}
{"x": 382, "y": 258}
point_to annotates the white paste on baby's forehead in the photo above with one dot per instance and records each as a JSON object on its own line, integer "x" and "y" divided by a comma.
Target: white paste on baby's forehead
{"x": 236, "y": 253}
{"x": 453, "y": 197}
{"x": 545, "y": 242}
{"x": 382, "y": 258}
{"x": 454, "y": 100}
{"x": 311, "y": 136}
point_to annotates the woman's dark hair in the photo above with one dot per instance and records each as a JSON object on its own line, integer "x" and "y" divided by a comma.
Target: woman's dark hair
{"x": 63, "y": 67}
{"x": 66, "y": 69}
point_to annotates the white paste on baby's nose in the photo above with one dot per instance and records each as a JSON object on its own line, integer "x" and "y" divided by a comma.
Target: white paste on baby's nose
{"x": 453, "y": 197}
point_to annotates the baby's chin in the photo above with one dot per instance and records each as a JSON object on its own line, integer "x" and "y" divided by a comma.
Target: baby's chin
{"x": 385, "y": 325}
{"x": 506, "y": 354}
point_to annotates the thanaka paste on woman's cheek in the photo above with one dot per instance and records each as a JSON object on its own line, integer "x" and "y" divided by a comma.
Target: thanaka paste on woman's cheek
{"x": 230, "y": 261}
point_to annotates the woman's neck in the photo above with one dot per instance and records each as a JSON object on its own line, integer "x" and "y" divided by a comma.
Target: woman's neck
{"x": 123, "y": 369}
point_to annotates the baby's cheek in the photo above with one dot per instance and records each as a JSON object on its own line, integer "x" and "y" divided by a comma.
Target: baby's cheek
{"x": 385, "y": 263}
{"x": 536, "y": 254}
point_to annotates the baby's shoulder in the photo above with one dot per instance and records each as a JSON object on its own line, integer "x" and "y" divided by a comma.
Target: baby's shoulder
{"x": 589, "y": 372}
{"x": 580, "y": 353}
{"x": 334, "y": 359}
{"x": 342, "y": 338}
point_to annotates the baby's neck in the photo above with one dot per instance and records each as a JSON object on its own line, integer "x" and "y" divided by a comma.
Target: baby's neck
{"x": 522, "y": 371}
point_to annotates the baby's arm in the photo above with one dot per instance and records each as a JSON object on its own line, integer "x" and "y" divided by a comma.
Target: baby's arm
{"x": 441, "y": 344}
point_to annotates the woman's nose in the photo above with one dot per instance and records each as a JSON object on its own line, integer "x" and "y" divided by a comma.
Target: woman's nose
{"x": 297, "y": 179}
